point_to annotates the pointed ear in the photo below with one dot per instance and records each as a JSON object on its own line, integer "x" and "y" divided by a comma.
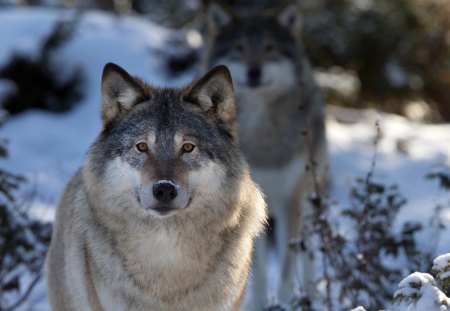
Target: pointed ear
{"x": 218, "y": 17}
{"x": 289, "y": 17}
{"x": 120, "y": 92}
{"x": 213, "y": 93}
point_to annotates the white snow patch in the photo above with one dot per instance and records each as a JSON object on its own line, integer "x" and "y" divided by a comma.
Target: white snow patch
{"x": 442, "y": 262}
{"x": 418, "y": 292}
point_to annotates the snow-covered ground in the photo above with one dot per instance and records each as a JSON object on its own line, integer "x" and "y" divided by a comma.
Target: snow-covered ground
{"x": 48, "y": 148}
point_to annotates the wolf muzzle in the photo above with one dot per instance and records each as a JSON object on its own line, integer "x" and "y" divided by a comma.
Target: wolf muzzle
{"x": 165, "y": 191}
{"x": 254, "y": 76}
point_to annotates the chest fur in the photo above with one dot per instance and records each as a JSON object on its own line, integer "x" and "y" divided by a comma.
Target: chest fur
{"x": 270, "y": 132}
{"x": 150, "y": 271}
{"x": 279, "y": 183}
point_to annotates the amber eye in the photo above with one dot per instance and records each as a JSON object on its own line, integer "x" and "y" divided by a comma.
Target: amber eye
{"x": 188, "y": 147}
{"x": 142, "y": 147}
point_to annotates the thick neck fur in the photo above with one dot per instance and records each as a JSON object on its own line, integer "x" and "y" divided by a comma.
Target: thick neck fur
{"x": 270, "y": 127}
{"x": 165, "y": 259}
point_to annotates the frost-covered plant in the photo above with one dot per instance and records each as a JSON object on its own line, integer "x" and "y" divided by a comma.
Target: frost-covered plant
{"x": 358, "y": 265}
{"x": 418, "y": 292}
{"x": 441, "y": 269}
{"x": 23, "y": 242}
{"x": 358, "y": 260}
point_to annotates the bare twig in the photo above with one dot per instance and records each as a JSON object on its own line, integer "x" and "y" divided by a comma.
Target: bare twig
{"x": 25, "y": 294}
{"x": 374, "y": 156}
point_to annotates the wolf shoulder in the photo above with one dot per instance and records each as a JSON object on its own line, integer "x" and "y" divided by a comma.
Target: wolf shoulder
{"x": 62, "y": 245}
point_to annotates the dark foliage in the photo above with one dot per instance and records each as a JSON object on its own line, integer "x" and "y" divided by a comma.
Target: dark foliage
{"x": 181, "y": 63}
{"x": 356, "y": 263}
{"x": 41, "y": 83}
{"x": 398, "y": 48}
{"x": 359, "y": 266}
{"x": 23, "y": 241}
{"x": 442, "y": 175}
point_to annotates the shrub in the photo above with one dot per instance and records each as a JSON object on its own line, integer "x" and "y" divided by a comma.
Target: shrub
{"x": 360, "y": 264}
{"x": 363, "y": 265}
{"x": 23, "y": 242}
{"x": 398, "y": 48}
{"x": 418, "y": 292}
{"x": 42, "y": 83}
{"x": 441, "y": 269}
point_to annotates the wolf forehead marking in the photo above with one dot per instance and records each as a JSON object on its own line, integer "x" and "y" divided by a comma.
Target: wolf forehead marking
{"x": 176, "y": 125}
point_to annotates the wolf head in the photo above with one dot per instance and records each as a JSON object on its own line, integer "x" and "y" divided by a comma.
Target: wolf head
{"x": 260, "y": 49}
{"x": 164, "y": 150}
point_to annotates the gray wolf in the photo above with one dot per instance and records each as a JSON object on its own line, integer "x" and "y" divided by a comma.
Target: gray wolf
{"x": 163, "y": 212}
{"x": 280, "y": 116}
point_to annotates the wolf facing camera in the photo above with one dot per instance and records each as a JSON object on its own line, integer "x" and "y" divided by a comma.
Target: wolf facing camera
{"x": 163, "y": 212}
{"x": 281, "y": 129}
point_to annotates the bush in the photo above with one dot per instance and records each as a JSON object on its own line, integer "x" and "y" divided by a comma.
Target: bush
{"x": 363, "y": 265}
{"x": 41, "y": 83}
{"x": 441, "y": 269}
{"x": 442, "y": 175}
{"x": 419, "y": 292}
{"x": 398, "y": 48}
{"x": 23, "y": 242}
{"x": 360, "y": 264}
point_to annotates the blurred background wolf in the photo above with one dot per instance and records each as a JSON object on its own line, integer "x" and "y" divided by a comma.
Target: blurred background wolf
{"x": 281, "y": 128}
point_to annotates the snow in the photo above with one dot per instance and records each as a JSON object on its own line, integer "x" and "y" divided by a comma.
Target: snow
{"x": 345, "y": 83}
{"x": 418, "y": 292}
{"x": 415, "y": 280}
{"x": 48, "y": 148}
{"x": 442, "y": 263}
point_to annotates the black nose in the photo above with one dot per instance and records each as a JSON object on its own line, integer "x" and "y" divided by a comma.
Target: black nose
{"x": 164, "y": 191}
{"x": 254, "y": 76}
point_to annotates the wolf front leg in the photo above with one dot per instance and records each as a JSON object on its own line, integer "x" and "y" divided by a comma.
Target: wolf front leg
{"x": 259, "y": 274}
{"x": 295, "y": 245}
{"x": 302, "y": 216}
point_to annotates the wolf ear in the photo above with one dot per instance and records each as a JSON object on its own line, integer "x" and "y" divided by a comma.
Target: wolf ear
{"x": 120, "y": 92}
{"x": 289, "y": 17}
{"x": 218, "y": 17}
{"x": 213, "y": 93}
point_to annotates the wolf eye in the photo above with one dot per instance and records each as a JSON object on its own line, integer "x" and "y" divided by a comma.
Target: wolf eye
{"x": 142, "y": 147}
{"x": 188, "y": 147}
